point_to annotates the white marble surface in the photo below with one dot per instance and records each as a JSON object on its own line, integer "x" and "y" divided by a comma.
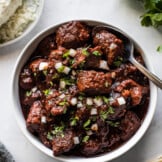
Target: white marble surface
{"x": 121, "y": 13}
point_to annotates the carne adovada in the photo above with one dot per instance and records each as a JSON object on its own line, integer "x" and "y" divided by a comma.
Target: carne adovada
{"x": 79, "y": 94}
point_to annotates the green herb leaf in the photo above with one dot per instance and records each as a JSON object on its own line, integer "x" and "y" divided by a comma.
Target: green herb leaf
{"x": 113, "y": 124}
{"x": 63, "y": 103}
{"x": 110, "y": 110}
{"x": 66, "y": 54}
{"x": 96, "y": 53}
{"x": 85, "y": 52}
{"x": 28, "y": 93}
{"x": 61, "y": 69}
{"x": 58, "y": 131}
{"x": 49, "y": 136}
{"x": 47, "y": 92}
{"x": 85, "y": 139}
{"x": 118, "y": 61}
{"x": 45, "y": 72}
{"x": 104, "y": 114}
{"x": 73, "y": 121}
{"x": 105, "y": 99}
{"x": 159, "y": 49}
{"x": 87, "y": 123}
{"x": 153, "y": 13}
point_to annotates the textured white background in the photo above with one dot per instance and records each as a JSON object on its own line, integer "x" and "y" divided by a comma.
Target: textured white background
{"x": 121, "y": 13}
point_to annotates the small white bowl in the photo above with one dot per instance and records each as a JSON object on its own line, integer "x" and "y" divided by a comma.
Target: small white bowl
{"x": 29, "y": 27}
{"x": 24, "y": 56}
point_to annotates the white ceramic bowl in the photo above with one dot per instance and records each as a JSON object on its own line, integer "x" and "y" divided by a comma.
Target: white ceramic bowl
{"x": 29, "y": 27}
{"x": 25, "y": 54}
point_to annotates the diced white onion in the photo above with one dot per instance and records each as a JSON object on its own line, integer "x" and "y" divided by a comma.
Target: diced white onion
{"x": 113, "y": 46}
{"x": 98, "y": 101}
{"x": 89, "y": 101}
{"x": 62, "y": 96}
{"x": 93, "y": 111}
{"x": 103, "y": 65}
{"x": 73, "y": 101}
{"x": 89, "y": 132}
{"x": 66, "y": 70}
{"x": 62, "y": 84}
{"x": 79, "y": 105}
{"x": 121, "y": 100}
{"x": 111, "y": 100}
{"x": 72, "y": 52}
{"x": 43, "y": 66}
{"x": 34, "y": 89}
{"x": 74, "y": 72}
{"x": 94, "y": 127}
{"x": 43, "y": 119}
{"x": 58, "y": 65}
{"x": 76, "y": 140}
{"x": 113, "y": 75}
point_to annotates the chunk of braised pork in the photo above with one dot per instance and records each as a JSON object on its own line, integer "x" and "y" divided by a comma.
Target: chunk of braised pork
{"x": 93, "y": 82}
{"x": 31, "y": 96}
{"x": 56, "y": 103}
{"x": 91, "y": 147}
{"x": 57, "y": 54}
{"x": 26, "y": 80}
{"x": 111, "y": 45}
{"x": 43, "y": 134}
{"x": 72, "y": 35}
{"x": 129, "y": 125}
{"x": 63, "y": 143}
{"x": 129, "y": 88}
{"x": 34, "y": 117}
{"x": 46, "y": 45}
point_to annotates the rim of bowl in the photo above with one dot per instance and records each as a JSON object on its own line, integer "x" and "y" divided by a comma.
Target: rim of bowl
{"x": 29, "y": 28}
{"x": 102, "y": 157}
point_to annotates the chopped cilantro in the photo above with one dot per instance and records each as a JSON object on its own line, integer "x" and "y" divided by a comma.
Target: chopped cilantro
{"x": 55, "y": 76}
{"x": 85, "y": 139}
{"x": 47, "y": 92}
{"x": 87, "y": 123}
{"x": 73, "y": 121}
{"x": 61, "y": 69}
{"x": 28, "y": 93}
{"x": 63, "y": 103}
{"x": 104, "y": 114}
{"x": 105, "y": 99}
{"x": 118, "y": 62}
{"x": 96, "y": 53}
{"x": 113, "y": 124}
{"x": 58, "y": 131}
{"x": 85, "y": 52}
{"x": 159, "y": 49}
{"x": 45, "y": 72}
{"x": 49, "y": 136}
{"x": 66, "y": 54}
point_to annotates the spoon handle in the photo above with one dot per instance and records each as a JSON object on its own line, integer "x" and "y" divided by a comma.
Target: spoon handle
{"x": 157, "y": 81}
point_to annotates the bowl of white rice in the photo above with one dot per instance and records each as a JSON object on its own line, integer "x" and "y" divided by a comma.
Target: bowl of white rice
{"x": 18, "y": 18}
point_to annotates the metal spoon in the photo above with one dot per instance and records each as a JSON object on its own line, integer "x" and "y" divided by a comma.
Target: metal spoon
{"x": 129, "y": 46}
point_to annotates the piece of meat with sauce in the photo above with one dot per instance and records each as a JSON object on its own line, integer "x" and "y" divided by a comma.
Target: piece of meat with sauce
{"x": 72, "y": 35}
{"x": 129, "y": 125}
{"x": 129, "y": 88}
{"x": 26, "y": 80}
{"x": 93, "y": 82}
{"x": 91, "y": 147}
{"x": 64, "y": 143}
{"x": 46, "y": 45}
{"x": 34, "y": 117}
{"x": 56, "y": 105}
{"x": 111, "y": 45}
{"x": 31, "y": 96}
